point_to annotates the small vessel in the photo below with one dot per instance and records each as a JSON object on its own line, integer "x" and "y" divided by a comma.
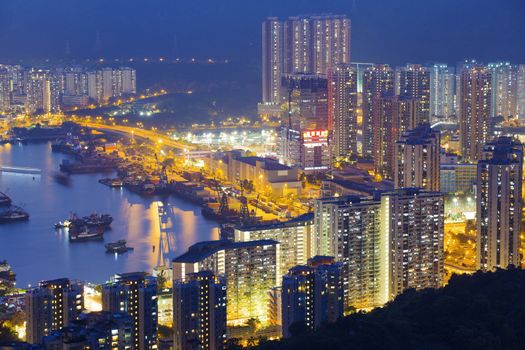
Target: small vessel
{"x": 4, "y": 200}
{"x": 63, "y": 224}
{"x": 88, "y": 235}
{"x": 62, "y": 178}
{"x": 96, "y": 220}
{"x": 13, "y": 214}
{"x": 114, "y": 183}
{"x": 79, "y": 232}
{"x": 117, "y": 247}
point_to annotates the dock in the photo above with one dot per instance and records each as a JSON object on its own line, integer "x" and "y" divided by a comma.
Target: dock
{"x": 20, "y": 170}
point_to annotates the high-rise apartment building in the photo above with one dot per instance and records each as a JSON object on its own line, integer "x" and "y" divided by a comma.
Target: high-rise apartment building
{"x": 312, "y": 294}
{"x": 94, "y": 81}
{"x": 378, "y": 80}
{"x": 272, "y": 60}
{"x": 504, "y": 89}
{"x": 414, "y": 83}
{"x": 342, "y": 110}
{"x": 417, "y": 161}
{"x": 349, "y": 228}
{"x": 520, "y": 104}
{"x": 5, "y": 90}
{"x": 199, "y": 312}
{"x": 135, "y": 293}
{"x": 499, "y": 204}
{"x": 387, "y": 243}
{"x": 251, "y": 270}
{"x": 313, "y": 44}
{"x": 295, "y": 237}
{"x": 108, "y": 83}
{"x": 304, "y": 44}
{"x": 305, "y": 134}
{"x": 43, "y": 92}
{"x": 75, "y": 81}
{"x": 442, "y": 91}
{"x": 51, "y": 306}
{"x": 414, "y": 221}
{"x": 475, "y": 109}
{"x": 94, "y": 330}
{"x": 393, "y": 115}
{"x": 129, "y": 80}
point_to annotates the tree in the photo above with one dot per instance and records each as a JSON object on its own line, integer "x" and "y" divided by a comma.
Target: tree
{"x": 162, "y": 280}
{"x": 7, "y": 334}
{"x": 298, "y": 328}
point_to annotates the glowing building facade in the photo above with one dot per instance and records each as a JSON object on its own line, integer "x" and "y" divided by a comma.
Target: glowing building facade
{"x": 378, "y": 80}
{"x": 499, "y": 204}
{"x": 442, "y": 91}
{"x": 251, "y": 270}
{"x": 295, "y": 237}
{"x": 342, "y": 113}
{"x": 387, "y": 243}
{"x": 418, "y": 159}
{"x": 51, "y": 306}
{"x": 475, "y": 101}
{"x": 312, "y": 294}
{"x": 135, "y": 293}
{"x": 199, "y": 312}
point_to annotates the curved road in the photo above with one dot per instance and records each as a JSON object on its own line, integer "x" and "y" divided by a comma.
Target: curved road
{"x": 146, "y": 134}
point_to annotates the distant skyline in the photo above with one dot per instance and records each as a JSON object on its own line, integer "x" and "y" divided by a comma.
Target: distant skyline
{"x": 383, "y": 31}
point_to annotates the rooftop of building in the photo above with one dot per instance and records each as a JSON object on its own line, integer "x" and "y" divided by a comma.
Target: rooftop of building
{"x": 367, "y": 187}
{"x": 268, "y": 163}
{"x": 128, "y": 276}
{"x": 504, "y": 150}
{"x": 58, "y": 281}
{"x": 297, "y": 221}
{"x": 420, "y": 135}
{"x": 203, "y": 250}
{"x": 321, "y": 260}
{"x": 376, "y": 196}
{"x": 409, "y": 192}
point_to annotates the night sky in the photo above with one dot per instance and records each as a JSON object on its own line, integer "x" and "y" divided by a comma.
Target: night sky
{"x": 391, "y": 31}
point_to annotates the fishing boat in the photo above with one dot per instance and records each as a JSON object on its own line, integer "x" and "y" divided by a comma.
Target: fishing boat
{"x": 13, "y": 214}
{"x": 87, "y": 235}
{"x": 4, "y": 200}
{"x": 118, "y": 247}
{"x": 79, "y": 232}
{"x": 113, "y": 183}
{"x": 63, "y": 224}
{"x": 98, "y": 220}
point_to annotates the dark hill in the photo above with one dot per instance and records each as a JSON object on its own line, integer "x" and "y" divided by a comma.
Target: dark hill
{"x": 483, "y": 311}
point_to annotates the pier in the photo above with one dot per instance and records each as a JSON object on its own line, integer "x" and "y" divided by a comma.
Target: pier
{"x": 20, "y": 170}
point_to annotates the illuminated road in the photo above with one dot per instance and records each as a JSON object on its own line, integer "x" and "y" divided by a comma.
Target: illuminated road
{"x": 459, "y": 269}
{"x": 146, "y": 134}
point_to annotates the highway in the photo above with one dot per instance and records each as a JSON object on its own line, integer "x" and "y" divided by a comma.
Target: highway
{"x": 146, "y": 134}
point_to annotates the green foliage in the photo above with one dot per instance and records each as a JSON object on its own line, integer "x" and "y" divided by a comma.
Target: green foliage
{"x": 162, "y": 280}
{"x": 165, "y": 332}
{"x": 7, "y": 334}
{"x": 483, "y": 311}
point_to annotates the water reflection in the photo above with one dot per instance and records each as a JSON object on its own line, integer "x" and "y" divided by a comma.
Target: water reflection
{"x": 36, "y": 251}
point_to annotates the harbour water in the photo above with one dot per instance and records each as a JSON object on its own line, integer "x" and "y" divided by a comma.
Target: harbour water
{"x": 37, "y": 251}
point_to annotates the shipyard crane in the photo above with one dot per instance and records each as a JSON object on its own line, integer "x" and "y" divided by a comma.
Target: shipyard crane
{"x": 162, "y": 172}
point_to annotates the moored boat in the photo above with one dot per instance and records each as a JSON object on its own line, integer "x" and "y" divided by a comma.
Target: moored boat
{"x": 13, "y": 214}
{"x": 63, "y": 224}
{"x": 79, "y": 232}
{"x": 98, "y": 220}
{"x": 4, "y": 200}
{"x": 117, "y": 247}
{"x": 114, "y": 183}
